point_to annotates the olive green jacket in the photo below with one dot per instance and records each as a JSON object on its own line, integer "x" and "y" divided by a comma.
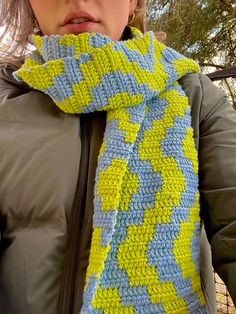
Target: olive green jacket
{"x": 47, "y": 170}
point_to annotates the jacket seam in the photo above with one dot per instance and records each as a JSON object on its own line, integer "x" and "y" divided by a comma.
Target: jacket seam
{"x": 202, "y": 97}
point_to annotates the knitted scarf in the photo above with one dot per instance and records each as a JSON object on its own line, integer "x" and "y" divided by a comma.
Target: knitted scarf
{"x": 144, "y": 254}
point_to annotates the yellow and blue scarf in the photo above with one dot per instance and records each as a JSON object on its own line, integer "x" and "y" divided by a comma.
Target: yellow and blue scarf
{"x": 144, "y": 254}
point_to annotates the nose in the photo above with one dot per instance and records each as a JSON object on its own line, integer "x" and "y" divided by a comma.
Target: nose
{"x": 76, "y": 3}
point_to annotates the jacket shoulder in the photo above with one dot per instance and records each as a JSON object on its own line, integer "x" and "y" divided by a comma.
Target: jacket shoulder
{"x": 203, "y": 94}
{"x": 9, "y": 86}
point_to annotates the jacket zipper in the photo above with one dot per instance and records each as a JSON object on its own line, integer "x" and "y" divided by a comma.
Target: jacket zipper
{"x": 67, "y": 294}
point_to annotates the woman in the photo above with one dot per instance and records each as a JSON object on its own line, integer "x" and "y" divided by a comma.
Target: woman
{"x": 99, "y": 174}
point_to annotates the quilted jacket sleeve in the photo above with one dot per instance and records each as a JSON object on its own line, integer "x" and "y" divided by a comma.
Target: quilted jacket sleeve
{"x": 217, "y": 174}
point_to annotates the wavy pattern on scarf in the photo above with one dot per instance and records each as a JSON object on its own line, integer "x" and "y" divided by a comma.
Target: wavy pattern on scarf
{"x": 144, "y": 254}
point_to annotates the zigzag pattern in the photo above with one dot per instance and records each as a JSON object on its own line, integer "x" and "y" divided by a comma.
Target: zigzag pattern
{"x": 144, "y": 254}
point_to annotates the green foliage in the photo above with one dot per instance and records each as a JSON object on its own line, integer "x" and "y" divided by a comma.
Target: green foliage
{"x": 200, "y": 29}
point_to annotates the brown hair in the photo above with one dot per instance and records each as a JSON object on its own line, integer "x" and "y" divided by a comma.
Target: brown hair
{"x": 18, "y": 20}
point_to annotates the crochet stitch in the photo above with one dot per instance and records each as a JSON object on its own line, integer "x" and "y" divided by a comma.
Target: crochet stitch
{"x": 144, "y": 254}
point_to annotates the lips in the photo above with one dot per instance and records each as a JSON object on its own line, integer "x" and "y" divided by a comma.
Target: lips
{"x": 79, "y": 15}
{"x": 80, "y": 22}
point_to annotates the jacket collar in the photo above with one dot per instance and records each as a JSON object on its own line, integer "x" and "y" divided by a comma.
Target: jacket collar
{"x": 6, "y": 73}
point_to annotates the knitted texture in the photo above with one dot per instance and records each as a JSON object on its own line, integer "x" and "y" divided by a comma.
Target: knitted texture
{"x": 144, "y": 254}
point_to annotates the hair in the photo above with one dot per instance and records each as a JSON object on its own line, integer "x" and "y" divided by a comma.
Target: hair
{"x": 139, "y": 16}
{"x": 18, "y": 20}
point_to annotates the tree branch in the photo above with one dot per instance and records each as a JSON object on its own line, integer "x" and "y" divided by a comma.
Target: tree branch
{"x": 218, "y": 66}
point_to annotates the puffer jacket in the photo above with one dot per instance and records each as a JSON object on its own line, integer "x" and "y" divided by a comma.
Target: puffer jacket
{"x": 47, "y": 171}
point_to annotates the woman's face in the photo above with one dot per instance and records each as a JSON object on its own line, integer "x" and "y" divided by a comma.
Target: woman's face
{"x": 62, "y": 17}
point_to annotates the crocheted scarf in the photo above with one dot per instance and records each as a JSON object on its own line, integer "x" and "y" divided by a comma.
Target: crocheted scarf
{"x": 144, "y": 254}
